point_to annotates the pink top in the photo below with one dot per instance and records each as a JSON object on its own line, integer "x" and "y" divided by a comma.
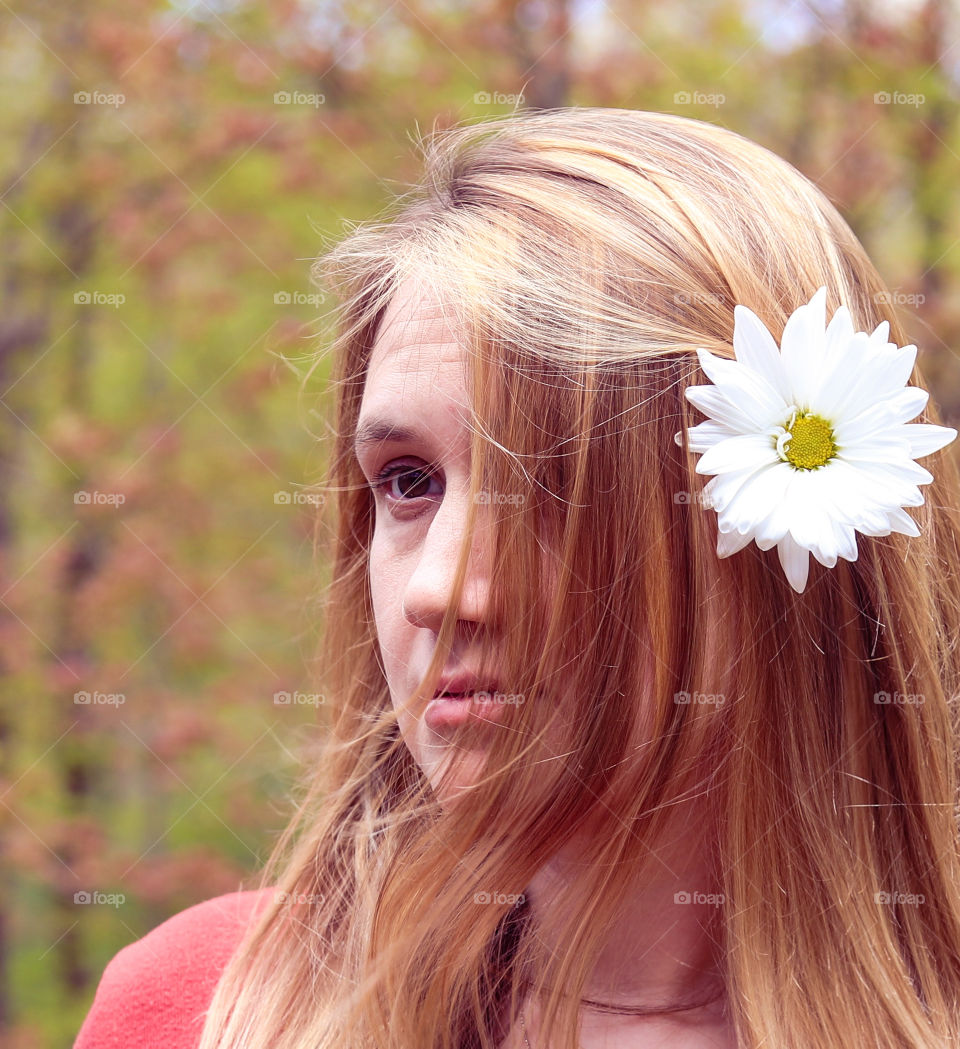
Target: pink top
{"x": 155, "y": 991}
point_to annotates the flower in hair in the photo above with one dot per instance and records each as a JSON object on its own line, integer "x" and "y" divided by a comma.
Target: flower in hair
{"x": 809, "y": 442}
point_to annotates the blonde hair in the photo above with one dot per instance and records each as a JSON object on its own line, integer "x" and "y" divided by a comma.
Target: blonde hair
{"x": 586, "y": 254}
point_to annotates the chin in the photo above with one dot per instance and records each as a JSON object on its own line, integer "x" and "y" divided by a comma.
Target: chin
{"x": 459, "y": 773}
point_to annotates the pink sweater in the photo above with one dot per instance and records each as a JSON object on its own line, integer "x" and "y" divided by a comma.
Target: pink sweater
{"x": 155, "y": 991}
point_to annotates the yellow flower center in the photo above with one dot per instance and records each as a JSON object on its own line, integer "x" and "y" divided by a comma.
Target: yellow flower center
{"x": 807, "y": 442}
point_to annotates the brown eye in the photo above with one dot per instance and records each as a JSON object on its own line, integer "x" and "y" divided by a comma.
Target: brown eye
{"x": 411, "y": 482}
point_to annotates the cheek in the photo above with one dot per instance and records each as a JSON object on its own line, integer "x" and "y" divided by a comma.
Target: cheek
{"x": 385, "y": 590}
{"x": 394, "y": 633}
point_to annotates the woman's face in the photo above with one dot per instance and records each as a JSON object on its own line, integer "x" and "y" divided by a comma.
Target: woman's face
{"x": 416, "y": 382}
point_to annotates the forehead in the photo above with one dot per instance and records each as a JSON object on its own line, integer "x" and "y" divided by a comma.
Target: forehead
{"x": 417, "y": 349}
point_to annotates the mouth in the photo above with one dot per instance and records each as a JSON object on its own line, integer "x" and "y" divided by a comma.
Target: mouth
{"x": 473, "y": 694}
{"x": 451, "y": 709}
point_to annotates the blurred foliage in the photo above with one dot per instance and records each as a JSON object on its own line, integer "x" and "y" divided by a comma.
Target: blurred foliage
{"x": 168, "y": 170}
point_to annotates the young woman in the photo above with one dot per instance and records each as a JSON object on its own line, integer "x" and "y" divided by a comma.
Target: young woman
{"x": 604, "y": 767}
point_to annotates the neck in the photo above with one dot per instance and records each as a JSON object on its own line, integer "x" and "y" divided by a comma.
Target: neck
{"x": 659, "y": 954}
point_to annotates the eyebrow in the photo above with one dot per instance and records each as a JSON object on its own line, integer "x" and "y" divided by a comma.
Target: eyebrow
{"x": 375, "y": 431}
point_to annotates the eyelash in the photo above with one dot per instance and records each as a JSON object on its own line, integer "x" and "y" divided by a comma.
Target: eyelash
{"x": 392, "y": 470}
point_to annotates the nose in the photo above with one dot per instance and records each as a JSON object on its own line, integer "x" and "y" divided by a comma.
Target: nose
{"x": 430, "y": 588}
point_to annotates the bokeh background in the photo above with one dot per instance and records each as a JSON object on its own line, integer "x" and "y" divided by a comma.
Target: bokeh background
{"x": 167, "y": 171}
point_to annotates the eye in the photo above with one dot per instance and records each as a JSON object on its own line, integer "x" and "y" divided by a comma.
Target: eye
{"x": 412, "y": 482}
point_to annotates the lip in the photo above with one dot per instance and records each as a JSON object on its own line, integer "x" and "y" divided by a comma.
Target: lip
{"x": 446, "y": 712}
{"x": 456, "y": 701}
{"x": 464, "y": 682}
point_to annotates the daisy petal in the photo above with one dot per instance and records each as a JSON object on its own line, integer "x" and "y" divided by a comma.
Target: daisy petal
{"x": 901, "y": 467}
{"x": 795, "y": 561}
{"x": 730, "y": 542}
{"x": 879, "y": 449}
{"x": 810, "y": 521}
{"x": 893, "y": 486}
{"x": 846, "y": 541}
{"x": 757, "y": 501}
{"x": 878, "y": 378}
{"x": 905, "y": 405}
{"x": 926, "y": 438}
{"x": 901, "y": 521}
{"x": 802, "y": 347}
{"x": 880, "y": 334}
{"x": 855, "y": 498}
{"x": 750, "y": 391}
{"x": 725, "y": 487}
{"x": 704, "y": 435}
{"x": 751, "y": 504}
{"x": 756, "y": 348}
{"x": 713, "y": 402}
{"x": 738, "y": 453}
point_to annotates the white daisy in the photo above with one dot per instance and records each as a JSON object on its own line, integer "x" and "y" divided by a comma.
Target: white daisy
{"x": 810, "y": 441}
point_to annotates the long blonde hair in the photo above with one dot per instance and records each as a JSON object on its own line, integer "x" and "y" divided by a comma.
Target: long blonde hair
{"x": 586, "y": 254}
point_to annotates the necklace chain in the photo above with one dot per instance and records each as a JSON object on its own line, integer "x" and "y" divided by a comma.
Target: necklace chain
{"x": 526, "y": 1040}
{"x": 587, "y": 1001}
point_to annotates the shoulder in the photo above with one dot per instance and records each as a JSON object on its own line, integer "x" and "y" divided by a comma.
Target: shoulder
{"x": 156, "y": 990}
